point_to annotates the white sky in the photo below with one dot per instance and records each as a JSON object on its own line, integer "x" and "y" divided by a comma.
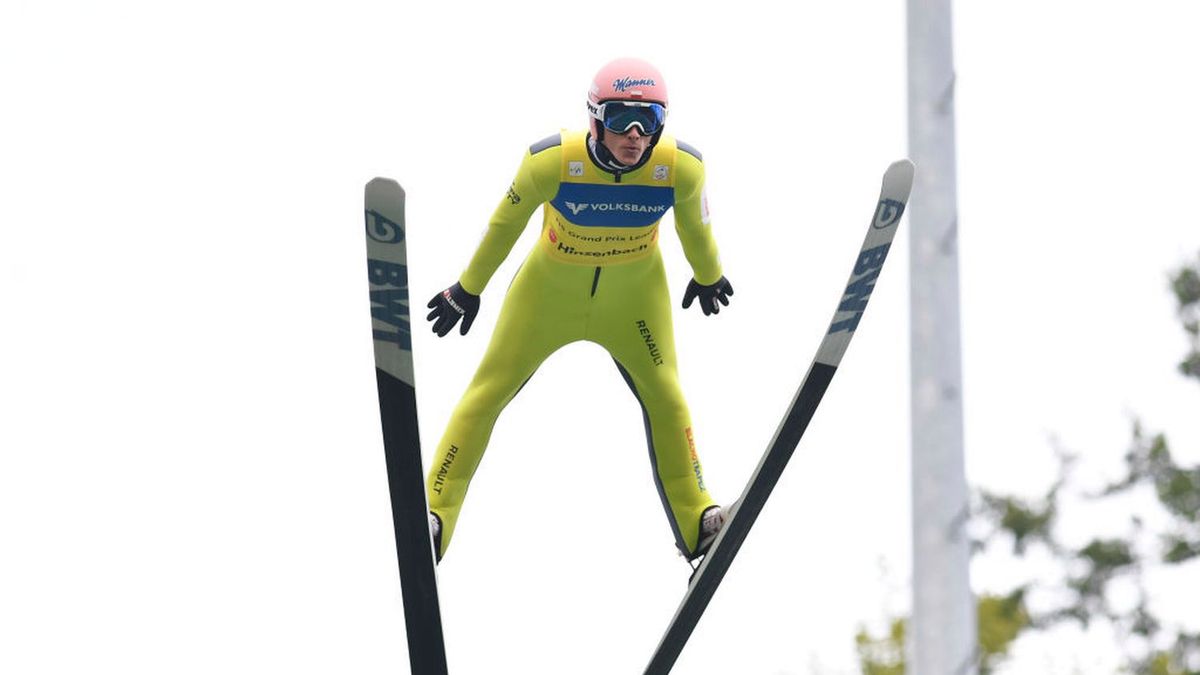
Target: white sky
{"x": 192, "y": 478}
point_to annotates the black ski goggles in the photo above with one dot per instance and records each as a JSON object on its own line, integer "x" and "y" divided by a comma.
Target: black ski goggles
{"x": 621, "y": 116}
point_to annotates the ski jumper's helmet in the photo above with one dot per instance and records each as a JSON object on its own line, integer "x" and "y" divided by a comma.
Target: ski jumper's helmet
{"x": 625, "y": 93}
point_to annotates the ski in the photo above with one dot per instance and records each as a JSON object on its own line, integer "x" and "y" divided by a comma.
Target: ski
{"x": 387, "y": 268}
{"x": 897, "y": 183}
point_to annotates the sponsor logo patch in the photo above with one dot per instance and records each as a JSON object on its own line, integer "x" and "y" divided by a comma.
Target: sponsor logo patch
{"x": 382, "y": 229}
{"x": 651, "y": 346}
{"x": 629, "y": 82}
{"x": 691, "y": 441}
{"x": 888, "y": 213}
{"x": 389, "y": 301}
{"x": 574, "y": 168}
{"x": 858, "y": 292}
{"x": 439, "y": 482}
{"x": 577, "y": 208}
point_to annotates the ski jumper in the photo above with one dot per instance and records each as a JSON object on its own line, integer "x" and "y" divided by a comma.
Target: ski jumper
{"x": 595, "y": 274}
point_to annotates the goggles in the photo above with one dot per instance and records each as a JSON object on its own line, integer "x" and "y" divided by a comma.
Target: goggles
{"x": 621, "y": 116}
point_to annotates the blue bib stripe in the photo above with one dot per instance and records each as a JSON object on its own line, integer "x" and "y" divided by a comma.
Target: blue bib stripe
{"x": 596, "y": 205}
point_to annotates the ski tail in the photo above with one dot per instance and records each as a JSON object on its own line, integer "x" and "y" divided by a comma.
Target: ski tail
{"x": 387, "y": 270}
{"x": 897, "y": 184}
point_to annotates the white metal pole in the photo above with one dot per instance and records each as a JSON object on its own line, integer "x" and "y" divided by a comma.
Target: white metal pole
{"x": 943, "y": 634}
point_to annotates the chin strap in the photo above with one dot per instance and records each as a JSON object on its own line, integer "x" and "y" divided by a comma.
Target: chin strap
{"x": 603, "y": 157}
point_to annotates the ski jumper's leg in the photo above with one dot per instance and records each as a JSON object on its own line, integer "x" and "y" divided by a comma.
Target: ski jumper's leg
{"x": 542, "y": 312}
{"x": 632, "y": 319}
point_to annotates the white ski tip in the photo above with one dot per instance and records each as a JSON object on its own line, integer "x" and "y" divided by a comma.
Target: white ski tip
{"x": 898, "y": 179}
{"x": 385, "y": 187}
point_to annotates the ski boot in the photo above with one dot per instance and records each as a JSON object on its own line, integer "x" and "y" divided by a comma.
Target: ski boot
{"x": 435, "y": 528}
{"x": 711, "y": 522}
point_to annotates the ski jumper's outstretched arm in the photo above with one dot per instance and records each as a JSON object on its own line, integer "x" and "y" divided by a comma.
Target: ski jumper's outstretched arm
{"x": 535, "y": 183}
{"x": 529, "y": 189}
{"x": 692, "y": 223}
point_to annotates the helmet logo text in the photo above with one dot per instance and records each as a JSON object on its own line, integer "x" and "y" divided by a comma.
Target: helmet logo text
{"x": 627, "y": 82}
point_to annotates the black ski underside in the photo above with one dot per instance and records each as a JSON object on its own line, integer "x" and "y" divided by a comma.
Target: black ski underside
{"x": 401, "y": 442}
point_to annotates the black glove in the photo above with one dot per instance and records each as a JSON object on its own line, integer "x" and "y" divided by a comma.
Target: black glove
{"x": 449, "y": 306}
{"x": 710, "y": 296}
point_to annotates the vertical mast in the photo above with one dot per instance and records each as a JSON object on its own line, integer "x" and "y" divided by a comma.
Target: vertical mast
{"x": 943, "y": 634}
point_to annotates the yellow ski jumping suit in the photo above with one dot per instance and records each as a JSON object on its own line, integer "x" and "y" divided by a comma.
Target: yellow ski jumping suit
{"x": 596, "y": 274}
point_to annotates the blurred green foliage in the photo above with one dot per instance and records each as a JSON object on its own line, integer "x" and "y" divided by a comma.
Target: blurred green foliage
{"x": 1092, "y": 568}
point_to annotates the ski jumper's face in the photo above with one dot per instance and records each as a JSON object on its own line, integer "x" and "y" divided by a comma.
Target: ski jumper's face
{"x": 628, "y": 147}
